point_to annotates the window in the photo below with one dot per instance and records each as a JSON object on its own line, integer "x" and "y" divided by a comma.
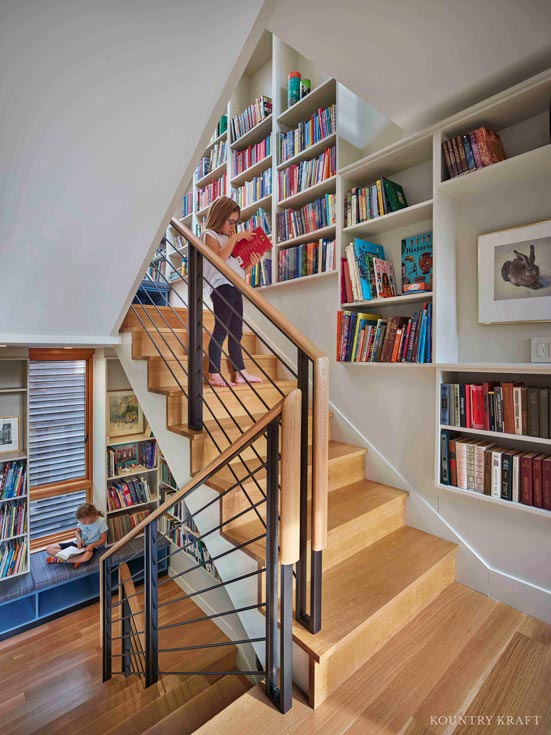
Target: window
{"x": 60, "y": 446}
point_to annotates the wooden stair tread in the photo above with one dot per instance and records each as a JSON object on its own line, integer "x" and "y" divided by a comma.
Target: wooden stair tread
{"x": 284, "y": 385}
{"x": 345, "y": 505}
{"x": 358, "y": 588}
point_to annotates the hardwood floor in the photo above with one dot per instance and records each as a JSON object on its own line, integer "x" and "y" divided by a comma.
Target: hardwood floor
{"x": 464, "y": 654}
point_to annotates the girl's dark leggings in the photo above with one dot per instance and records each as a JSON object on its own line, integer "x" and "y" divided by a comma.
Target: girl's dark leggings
{"x": 227, "y": 303}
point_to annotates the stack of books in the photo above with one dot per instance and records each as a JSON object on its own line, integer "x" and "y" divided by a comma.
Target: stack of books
{"x": 13, "y": 517}
{"x": 365, "y": 274}
{"x": 251, "y": 116}
{"x": 370, "y": 338}
{"x": 166, "y": 475}
{"x": 13, "y": 558}
{"x": 510, "y": 408}
{"x": 187, "y": 204}
{"x": 306, "y": 259}
{"x": 207, "y": 164}
{"x": 253, "y": 191}
{"x": 363, "y": 203}
{"x": 322, "y": 124}
{"x": 210, "y": 192}
{"x": 471, "y": 151}
{"x": 297, "y": 222}
{"x": 12, "y": 479}
{"x": 305, "y": 174}
{"x": 498, "y": 471}
{"x": 120, "y": 525}
{"x": 244, "y": 159}
{"x": 133, "y": 491}
{"x": 193, "y": 546}
{"x": 259, "y": 219}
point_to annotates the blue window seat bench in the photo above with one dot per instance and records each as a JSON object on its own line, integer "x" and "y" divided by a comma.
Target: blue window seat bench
{"x": 51, "y": 590}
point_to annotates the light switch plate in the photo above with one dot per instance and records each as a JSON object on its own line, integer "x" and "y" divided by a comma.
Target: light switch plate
{"x": 541, "y": 349}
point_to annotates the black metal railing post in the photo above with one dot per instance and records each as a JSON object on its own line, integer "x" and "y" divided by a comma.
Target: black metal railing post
{"x": 195, "y": 340}
{"x": 302, "y": 564}
{"x": 107, "y": 624}
{"x": 126, "y": 631}
{"x": 151, "y": 604}
{"x": 272, "y": 477}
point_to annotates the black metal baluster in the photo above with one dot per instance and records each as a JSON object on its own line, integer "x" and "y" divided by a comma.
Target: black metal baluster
{"x": 195, "y": 341}
{"x": 126, "y": 637}
{"x": 301, "y": 567}
{"x": 151, "y": 604}
{"x": 107, "y": 625}
{"x": 271, "y": 559}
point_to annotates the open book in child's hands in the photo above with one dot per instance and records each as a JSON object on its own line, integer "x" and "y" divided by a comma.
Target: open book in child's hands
{"x": 70, "y": 551}
{"x": 243, "y": 249}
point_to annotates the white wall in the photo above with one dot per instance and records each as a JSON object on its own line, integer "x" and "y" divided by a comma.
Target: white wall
{"x": 105, "y": 105}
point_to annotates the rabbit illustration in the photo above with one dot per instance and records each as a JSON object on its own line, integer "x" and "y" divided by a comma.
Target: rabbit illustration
{"x": 522, "y": 271}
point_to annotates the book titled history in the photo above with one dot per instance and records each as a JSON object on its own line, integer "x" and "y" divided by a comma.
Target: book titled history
{"x": 243, "y": 249}
{"x": 417, "y": 263}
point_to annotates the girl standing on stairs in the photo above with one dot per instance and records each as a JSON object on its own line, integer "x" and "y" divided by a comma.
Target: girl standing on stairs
{"x": 220, "y": 236}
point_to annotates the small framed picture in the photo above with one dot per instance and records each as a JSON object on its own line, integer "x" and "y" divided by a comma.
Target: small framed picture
{"x": 9, "y": 434}
{"x": 514, "y": 275}
{"x": 124, "y": 415}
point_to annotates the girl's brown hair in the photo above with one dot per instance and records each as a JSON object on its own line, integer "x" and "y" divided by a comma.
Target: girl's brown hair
{"x": 220, "y": 211}
{"x": 86, "y": 510}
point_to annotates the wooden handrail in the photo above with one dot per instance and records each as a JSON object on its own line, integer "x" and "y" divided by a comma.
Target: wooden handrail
{"x": 201, "y": 476}
{"x": 290, "y": 479}
{"x": 275, "y": 316}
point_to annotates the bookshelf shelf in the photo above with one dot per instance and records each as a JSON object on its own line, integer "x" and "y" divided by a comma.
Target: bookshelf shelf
{"x": 328, "y": 231}
{"x": 309, "y": 152}
{"x": 489, "y": 499}
{"x": 250, "y": 209}
{"x": 137, "y": 470}
{"x": 252, "y": 171}
{"x": 506, "y": 367}
{"x": 216, "y": 173}
{"x": 499, "y": 435}
{"x": 296, "y": 281}
{"x": 393, "y": 221}
{"x": 254, "y": 135}
{"x": 13, "y": 538}
{"x": 414, "y": 298}
{"x": 202, "y": 212}
{"x": 12, "y": 456}
{"x": 18, "y": 497}
{"x": 529, "y": 165}
{"x": 129, "y": 439}
{"x": 394, "y": 158}
{"x": 131, "y": 507}
{"x": 391, "y": 364}
{"x": 322, "y": 96}
{"x": 187, "y": 220}
{"x": 12, "y": 390}
{"x": 211, "y": 145}
{"x": 307, "y": 195}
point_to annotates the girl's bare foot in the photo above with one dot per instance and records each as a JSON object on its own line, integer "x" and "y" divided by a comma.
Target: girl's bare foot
{"x": 243, "y": 377}
{"x": 217, "y": 381}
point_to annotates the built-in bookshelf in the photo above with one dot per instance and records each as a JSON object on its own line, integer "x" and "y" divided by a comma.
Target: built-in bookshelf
{"x": 14, "y": 480}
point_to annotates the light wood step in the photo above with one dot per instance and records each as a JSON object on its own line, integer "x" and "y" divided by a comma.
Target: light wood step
{"x": 172, "y": 373}
{"x": 142, "y": 316}
{"x": 358, "y": 515}
{"x": 202, "y": 708}
{"x": 367, "y": 598}
{"x": 172, "y": 343}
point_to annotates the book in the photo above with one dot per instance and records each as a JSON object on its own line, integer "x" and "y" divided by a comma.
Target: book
{"x": 243, "y": 249}
{"x": 417, "y": 263}
{"x": 546, "y": 482}
{"x": 526, "y": 485}
{"x": 384, "y": 278}
{"x": 537, "y": 488}
{"x": 472, "y": 150}
{"x": 70, "y": 551}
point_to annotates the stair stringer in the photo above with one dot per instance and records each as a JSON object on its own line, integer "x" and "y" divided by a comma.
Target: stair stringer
{"x": 176, "y": 449}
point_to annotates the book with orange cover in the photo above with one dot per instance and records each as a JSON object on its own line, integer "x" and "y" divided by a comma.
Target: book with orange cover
{"x": 243, "y": 249}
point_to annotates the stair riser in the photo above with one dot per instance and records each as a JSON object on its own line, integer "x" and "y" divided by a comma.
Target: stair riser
{"x": 331, "y": 672}
{"x": 143, "y": 344}
{"x": 161, "y": 375}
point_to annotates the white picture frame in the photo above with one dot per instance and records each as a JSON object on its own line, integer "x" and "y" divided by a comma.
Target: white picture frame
{"x": 10, "y": 435}
{"x": 124, "y": 415}
{"x": 514, "y": 275}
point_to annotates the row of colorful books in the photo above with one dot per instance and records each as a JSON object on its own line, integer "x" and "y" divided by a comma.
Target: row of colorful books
{"x": 470, "y": 151}
{"x": 305, "y": 174}
{"x": 166, "y": 475}
{"x": 217, "y": 157}
{"x": 126, "y": 456}
{"x": 306, "y": 259}
{"x": 210, "y": 192}
{"x": 297, "y": 222}
{"x": 251, "y": 116}
{"x": 370, "y": 338}
{"x": 13, "y": 558}
{"x": 260, "y": 274}
{"x": 12, "y": 479}
{"x": 510, "y": 408}
{"x": 133, "y": 491}
{"x": 261, "y": 218}
{"x": 221, "y": 128}
{"x": 321, "y": 125}
{"x": 122, "y": 524}
{"x": 254, "y": 190}
{"x": 194, "y": 547}
{"x": 489, "y": 469}
{"x": 365, "y": 274}
{"x": 187, "y": 204}
{"x": 13, "y": 519}
{"x": 244, "y": 159}
{"x": 363, "y": 203}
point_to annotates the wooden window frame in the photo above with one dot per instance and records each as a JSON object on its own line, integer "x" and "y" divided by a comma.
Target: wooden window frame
{"x": 50, "y": 490}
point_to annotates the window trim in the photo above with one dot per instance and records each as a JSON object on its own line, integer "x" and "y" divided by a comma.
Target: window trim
{"x": 50, "y": 490}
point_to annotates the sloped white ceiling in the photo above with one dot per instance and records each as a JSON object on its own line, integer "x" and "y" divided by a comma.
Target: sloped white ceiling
{"x": 104, "y": 105}
{"x": 416, "y": 61}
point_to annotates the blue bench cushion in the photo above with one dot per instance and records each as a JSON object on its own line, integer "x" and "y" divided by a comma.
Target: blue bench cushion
{"x": 18, "y": 587}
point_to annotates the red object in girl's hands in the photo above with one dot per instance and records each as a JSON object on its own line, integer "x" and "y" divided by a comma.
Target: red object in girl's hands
{"x": 244, "y": 248}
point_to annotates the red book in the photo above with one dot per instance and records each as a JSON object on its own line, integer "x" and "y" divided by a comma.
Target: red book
{"x": 468, "y": 412}
{"x": 243, "y": 249}
{"x": 477, "y": 401}
{"x": 537, "y": 480}
{"x": 348, "y": 296}
{"x": 526, "y": 488}
{"x": 490, "y": 146}
{"x": 546, "y": 482}
{"x": 508, "y": 408}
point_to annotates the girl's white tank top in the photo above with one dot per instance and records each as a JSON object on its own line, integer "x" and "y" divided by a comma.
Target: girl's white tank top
{"x": 213, "y": 277}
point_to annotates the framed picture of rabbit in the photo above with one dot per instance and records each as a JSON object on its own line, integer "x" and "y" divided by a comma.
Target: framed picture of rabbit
{"x": 514, "y": 275}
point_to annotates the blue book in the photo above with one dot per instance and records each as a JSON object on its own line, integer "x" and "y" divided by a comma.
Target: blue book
{"x": 362, "y": 251}
{"x": 445, "y": 404}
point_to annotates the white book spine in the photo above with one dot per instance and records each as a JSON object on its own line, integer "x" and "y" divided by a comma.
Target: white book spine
{"x": 496, "y": 474}
{"x": 517, "y": 406}
{"x": 461, "y": 460}
{"x": 516, "y": 478}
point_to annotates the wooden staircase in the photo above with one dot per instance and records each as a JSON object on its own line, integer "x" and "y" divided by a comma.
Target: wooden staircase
{"x": 378, "y": 573}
